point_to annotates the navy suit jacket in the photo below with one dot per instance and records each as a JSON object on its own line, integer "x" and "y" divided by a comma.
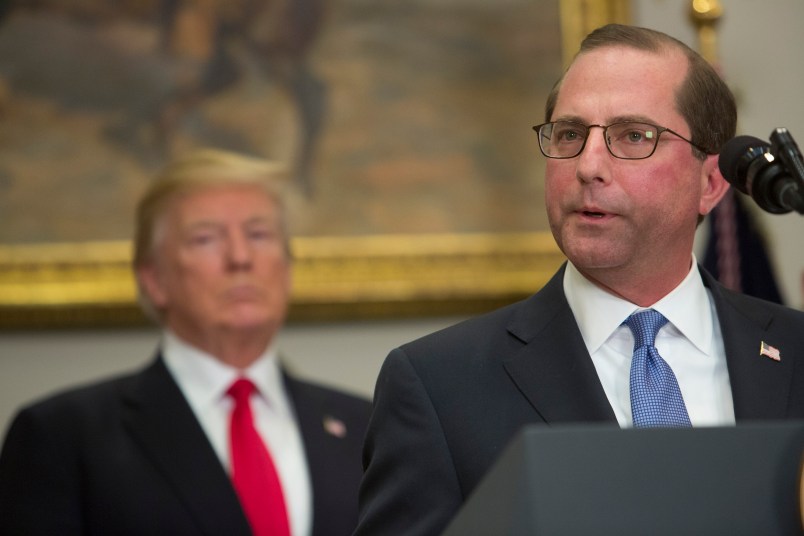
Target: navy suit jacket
{"x": 446, "y": 405}
{"x": 127, "y": 456}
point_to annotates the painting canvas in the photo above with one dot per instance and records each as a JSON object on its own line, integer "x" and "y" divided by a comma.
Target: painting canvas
{"x": 396, "y": 118}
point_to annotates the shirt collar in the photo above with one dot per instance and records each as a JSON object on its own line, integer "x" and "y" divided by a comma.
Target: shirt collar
{"x": 599, "y": 314}
{"x": 204, "y": 379}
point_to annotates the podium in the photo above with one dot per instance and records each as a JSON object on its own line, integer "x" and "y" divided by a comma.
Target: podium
{"x": 601, "y": 480}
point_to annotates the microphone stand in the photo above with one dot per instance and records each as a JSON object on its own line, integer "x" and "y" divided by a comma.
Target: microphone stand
{"x": 784, "y": 147}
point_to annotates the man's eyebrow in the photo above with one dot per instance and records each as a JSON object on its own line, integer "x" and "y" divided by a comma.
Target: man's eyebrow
{"x": 260, "y": 217}
{"x": 573, "y": 118}
{"x": 632, "y": 119}
{"x": 201, "y": 224}
{"x": 610, "y": 121}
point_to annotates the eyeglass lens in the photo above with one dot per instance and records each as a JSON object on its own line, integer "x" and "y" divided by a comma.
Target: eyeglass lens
{"x": 566, "y": 139}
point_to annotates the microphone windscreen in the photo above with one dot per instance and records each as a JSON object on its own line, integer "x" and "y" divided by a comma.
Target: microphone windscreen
{"x": 733, "y": 156}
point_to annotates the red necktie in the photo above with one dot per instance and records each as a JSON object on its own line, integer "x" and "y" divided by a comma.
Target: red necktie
{"x": 253, "y": 472}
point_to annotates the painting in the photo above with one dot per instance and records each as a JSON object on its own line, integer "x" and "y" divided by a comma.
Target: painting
{"x": 416, "y": 178}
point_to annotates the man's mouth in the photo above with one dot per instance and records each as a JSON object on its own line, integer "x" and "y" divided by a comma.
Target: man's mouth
{"x": 593, "y": 214}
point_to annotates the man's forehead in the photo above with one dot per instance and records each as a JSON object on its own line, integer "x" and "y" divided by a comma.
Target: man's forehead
{"x": 628, "y": 57}
{"x": 211, "y": 196}
{"x": 212, "y": 204}
{"x": 625, "y": 73}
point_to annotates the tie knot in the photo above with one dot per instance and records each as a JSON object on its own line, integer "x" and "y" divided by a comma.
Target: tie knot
{"x": 241, "y": 390}
{"x": 645, "y": 325}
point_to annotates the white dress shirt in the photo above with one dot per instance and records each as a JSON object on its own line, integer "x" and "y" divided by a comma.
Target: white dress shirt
{"x": 690, "y": 342}
{"x": 204, "y": 381}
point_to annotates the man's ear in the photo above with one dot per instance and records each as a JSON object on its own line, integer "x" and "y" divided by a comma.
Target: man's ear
{"x": 151, "y": 284}
{"x": 713, "y": 185}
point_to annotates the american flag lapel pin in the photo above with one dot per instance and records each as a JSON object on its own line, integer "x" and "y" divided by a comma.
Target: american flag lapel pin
{"x": 769, "y": 351}
{"x": 334, "y": 427}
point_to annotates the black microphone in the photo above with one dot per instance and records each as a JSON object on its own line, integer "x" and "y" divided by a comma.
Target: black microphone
{"x": 755, "y": 168}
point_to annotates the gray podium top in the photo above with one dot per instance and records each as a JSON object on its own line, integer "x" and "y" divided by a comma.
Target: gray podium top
{"x": 601, "y": 480}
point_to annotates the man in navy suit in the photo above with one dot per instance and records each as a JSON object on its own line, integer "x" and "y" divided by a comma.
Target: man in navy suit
{"x": 149, "y": 452}
{"x": 632, "y": 135}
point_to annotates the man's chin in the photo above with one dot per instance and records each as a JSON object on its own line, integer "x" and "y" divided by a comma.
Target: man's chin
{"x": 247, "y": 317}
{"x": 594, "y": 257}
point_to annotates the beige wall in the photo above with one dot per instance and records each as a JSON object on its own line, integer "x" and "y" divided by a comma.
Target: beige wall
{"x": 346, "y": 355}
{"x": 761, "y": 47}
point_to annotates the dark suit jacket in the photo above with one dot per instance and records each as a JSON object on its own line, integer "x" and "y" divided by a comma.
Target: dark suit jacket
{"x": 446, "y": 405}
{"x": 127, "y": 456}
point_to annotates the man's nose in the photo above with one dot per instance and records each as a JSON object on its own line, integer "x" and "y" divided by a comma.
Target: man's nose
{"x": 594, "y": 158}
{"x": 239, "y": 249}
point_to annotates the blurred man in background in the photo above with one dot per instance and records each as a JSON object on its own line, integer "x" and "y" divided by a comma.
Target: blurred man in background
{"x": 214, "y": 436}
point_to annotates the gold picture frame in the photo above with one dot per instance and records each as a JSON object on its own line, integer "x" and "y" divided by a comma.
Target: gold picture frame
{"x": 90, "y": 284}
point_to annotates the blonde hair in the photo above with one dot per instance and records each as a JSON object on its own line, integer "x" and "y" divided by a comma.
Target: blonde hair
{"x": 193, "y": 172}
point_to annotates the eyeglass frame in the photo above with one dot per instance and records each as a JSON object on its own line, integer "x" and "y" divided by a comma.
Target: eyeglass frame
{"x": 659, "y": 131}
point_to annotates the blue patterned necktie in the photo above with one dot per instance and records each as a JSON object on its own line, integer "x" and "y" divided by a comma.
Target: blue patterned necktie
{"x": 655, "y": 397}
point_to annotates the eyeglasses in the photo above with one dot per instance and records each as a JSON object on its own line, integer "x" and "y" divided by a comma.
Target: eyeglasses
{"x": 628, "y": 140}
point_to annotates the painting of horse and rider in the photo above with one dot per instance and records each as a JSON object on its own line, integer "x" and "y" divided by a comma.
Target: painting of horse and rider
{"x": 395, "y": 117}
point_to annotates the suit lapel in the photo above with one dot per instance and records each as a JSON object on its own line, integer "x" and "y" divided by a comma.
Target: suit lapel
{"x": 554, "y": 370}
{"x": 329, "y": 454}
{"x": 162, "y": 423}
{"x": 310, "y": 424}
{"x": 760, "y": 386}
